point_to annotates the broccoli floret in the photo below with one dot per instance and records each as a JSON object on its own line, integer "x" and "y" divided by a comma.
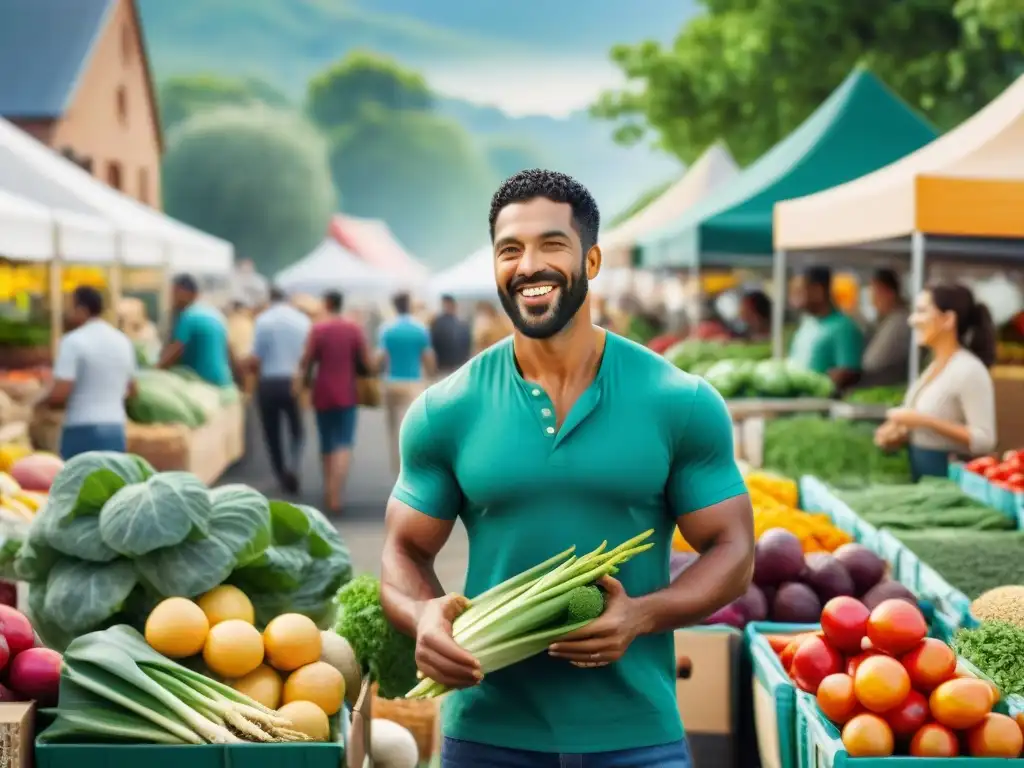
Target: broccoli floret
{"x": 585, "y": 603}
{"x": 381, "y": 650}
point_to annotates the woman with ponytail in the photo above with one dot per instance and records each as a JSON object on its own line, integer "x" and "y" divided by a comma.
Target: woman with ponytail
{"x": 950, "y": 409}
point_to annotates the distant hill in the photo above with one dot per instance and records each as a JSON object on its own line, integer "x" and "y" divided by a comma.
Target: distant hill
{"x": 284, "y": 42}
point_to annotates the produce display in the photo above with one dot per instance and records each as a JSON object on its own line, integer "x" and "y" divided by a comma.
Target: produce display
{"x": 767, "y": 378}
{"x": 115, "y": 687}
{"x": 971, "y": 561}
{"x": 891, "y": 689}
{"x": 932, "y": 503}
{"x": 116, "y": 537}
{"x": 25, "y": 484}
{"x": 177, "y": 396}
{"x": 696, "y": 356}
{"x": 1001, "y": 604}
{"x": 1007, "y": 473}
{"x": 30, "y": 670}
{"x": 891, "y": 396}
{"x": 523, "y": 615}
{"x": 774, "y": 502}
{"x": 841, "y": 453}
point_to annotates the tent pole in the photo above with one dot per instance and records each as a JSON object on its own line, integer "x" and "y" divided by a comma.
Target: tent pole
{"x": 917, "y": 252}
{"x": 778, "y": 302}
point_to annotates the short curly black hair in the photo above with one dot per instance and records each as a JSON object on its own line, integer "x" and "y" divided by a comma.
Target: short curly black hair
{"x": 555, "y": 186}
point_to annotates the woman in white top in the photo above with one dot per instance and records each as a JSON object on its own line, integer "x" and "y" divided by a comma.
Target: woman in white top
{"x": 950, "y": 409}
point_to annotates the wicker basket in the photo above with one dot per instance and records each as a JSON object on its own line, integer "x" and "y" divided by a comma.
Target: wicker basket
{"x": 418, "y": 717}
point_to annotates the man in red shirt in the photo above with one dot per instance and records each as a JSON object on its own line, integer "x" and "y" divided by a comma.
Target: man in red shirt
{"x": 335, "y": 356}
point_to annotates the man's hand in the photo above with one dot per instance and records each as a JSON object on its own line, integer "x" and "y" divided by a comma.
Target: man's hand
{"x": 605, "y": 639}
{"x": 438, "y": 656}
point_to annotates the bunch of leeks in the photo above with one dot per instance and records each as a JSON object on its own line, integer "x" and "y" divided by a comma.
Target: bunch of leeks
{"x": 115, "y": 687}
{"x": 523, "y": 615}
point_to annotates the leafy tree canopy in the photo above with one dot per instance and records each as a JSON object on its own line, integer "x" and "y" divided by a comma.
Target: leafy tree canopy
{"x": 419, "y": 172}
{"x": 750, "y": 71}
{"x": 182, "y": 97}
{"x": 254, "y": 176}
{"x": 337, "y": 95}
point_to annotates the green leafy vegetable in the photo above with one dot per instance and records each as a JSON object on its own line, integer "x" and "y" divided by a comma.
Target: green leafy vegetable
{"x": 997, "y": 649}
{"x": 84, "y": 594}
{"x": 88, "y": 480}
{"x": 162, "y": 512}
{"x": 932, "y": 503}
{"x": 971, "y": 561}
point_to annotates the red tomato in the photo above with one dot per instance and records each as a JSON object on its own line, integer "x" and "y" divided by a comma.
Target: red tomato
{"x": 980, "y": 465}
{"x": 906, "y": 718}
{"x": 994, "y": 473}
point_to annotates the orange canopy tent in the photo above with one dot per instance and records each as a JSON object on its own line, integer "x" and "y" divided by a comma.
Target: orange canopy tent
{"x": 961, "y": 198}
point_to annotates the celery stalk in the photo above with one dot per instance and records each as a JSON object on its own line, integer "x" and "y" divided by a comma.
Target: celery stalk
{"x": 525, "y": 577}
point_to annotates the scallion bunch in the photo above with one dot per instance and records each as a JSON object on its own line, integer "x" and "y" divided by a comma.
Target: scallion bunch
{"x": 523, "y": 615}
{"x": 114, "y": 686}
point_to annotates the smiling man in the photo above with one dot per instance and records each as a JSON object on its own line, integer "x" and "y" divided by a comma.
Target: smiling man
{"x": 565, "y": 434}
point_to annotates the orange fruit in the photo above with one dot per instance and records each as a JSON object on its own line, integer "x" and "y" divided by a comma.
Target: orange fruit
{"x": 934, "y": 740}
{"x": 881, "y": 683}
{"x": 961, "y": 702}
{"x": 896, "y": 627}
{"x": 854, "y": 661}
{"x": 836, "y": 698}
{"x": 868, "y": 735}
{"x": 995, "y": 736}
{"x": 932, "y": 662}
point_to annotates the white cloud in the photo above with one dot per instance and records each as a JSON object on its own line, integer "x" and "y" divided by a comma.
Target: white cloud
{"x": 535, "y": 87}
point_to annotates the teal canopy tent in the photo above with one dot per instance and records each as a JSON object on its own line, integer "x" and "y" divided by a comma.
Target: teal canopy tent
{"x": 861, "y": 127}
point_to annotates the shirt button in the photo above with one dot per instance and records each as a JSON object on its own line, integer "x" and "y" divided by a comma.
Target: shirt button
{"x": 545, "y": 412}
{"x": 535, "y": 393}
{"x": 550, "y": 430}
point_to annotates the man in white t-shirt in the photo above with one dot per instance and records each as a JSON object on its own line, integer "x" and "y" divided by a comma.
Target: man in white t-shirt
{"x": 92, "y": 377}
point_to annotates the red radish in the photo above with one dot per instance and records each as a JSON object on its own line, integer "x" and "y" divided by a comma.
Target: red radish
{"x": 5, "y": 653}
{"x": 9, "y": 594}
{"x": 7, "y": 695}
{"x": 35, "y": 673}
{"x": 16, "y": 629}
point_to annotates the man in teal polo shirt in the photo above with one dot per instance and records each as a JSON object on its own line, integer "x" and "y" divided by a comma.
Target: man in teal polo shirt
{"x": 564, "y": 434}
{"x": 200, "y": 339}
{"x": 826, "y": 341}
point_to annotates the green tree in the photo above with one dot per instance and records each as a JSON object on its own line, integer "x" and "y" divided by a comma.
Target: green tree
{"x": 336, "y": 96}
{"x": 509, "y": 155}
{"x": 749, "y": 71}
{"x": 184, "y": 96}
{"x": 419, "y": 172}
{"x": 254, "y": 176}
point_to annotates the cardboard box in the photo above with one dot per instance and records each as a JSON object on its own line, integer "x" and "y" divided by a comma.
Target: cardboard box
{"x": 17, "y": 734}
{"x": 707, "y": 690}
{"x": 1009, "y": 391}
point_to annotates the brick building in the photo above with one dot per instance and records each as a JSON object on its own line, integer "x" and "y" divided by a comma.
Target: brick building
{"x": 75, "y": 74}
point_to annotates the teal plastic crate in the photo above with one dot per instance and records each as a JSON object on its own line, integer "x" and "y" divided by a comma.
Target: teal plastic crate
{"x": 983, "y": 490}
{"x": 195, "y": 756}
{"x": 774, "y": 695}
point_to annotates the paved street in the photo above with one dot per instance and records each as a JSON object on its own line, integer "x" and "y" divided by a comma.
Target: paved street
{"x": 362, "y": 523}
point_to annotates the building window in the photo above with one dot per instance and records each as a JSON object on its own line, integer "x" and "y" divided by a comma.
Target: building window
{"x": 144, "y": 185}
{"x": 114, "y": 174}
{"x": 122, "y": 105}
{"x": 127, "y": 43}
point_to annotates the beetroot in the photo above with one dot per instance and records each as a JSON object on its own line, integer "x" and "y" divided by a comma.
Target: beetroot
{"x": 753, "y": 604}
{"x": 826, "y": 576}
{"x": 732, "y": 615}
{"x": 9, "y": 594}
{"x": 864, "y": 566}
{"x": 796, "y": 603}
{"x": 778, "y": 557}
{"x": 887, "y": 590}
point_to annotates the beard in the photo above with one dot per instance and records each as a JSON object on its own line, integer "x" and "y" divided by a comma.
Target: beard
{"x": 542, "y": 321}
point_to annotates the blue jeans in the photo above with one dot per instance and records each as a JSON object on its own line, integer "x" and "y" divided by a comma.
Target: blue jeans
{"x": 925, "y": 462}
{"x": 81, "y": 438}
{"x": 467, "y": 754}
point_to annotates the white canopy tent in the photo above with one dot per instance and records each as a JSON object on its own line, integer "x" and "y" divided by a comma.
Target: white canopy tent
{"x": 471, "y": 278}
{"x": 31, "y": 232}
{"x": 331, "y": 267}
{"x": 710, "y": 172}
{"x": 146, "y": 237}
